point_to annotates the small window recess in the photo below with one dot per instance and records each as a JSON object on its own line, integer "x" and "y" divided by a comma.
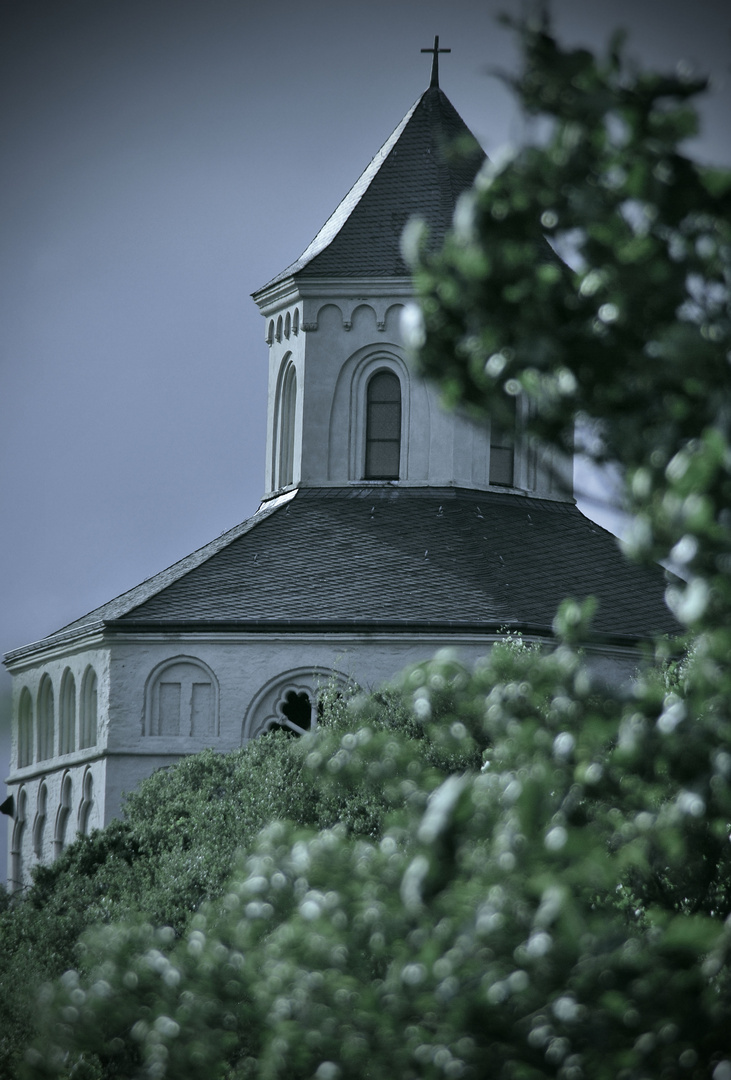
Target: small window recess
{"x": 383, "y": 426}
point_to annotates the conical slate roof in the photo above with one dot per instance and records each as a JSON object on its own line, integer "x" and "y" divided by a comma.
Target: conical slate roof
{"x": 428, "y": 161}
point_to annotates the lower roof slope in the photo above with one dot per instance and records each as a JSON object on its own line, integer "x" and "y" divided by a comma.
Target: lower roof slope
{"x": 397, "y": 558}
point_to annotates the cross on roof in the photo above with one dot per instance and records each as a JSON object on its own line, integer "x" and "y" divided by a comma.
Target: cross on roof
{"x": 435, "y": 60}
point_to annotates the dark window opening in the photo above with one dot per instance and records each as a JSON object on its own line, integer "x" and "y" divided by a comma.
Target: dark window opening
{"x": 298, "y": 715}
{"x": 383, "y": 427}
{"x": 502, "y": 453}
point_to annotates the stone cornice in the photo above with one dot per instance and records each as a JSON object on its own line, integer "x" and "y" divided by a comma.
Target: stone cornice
{"x": 88, "y": 636}
{"x": 281, "y": 294}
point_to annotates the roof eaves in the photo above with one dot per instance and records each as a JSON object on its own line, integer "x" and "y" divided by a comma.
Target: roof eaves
{"x": 494, "y": 628}
{"x": 133, "y": 598}
{"x": 62, "y": 639}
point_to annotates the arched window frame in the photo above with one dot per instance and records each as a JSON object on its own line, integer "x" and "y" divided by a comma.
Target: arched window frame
{"x": 63, "y": 814}
{"x": 150, "y": 722}
{"x": 89, "y": 709}
{"x": 285, "y": 425}
{"x": 67, "y": 713}
{"x": 25, "y": 728}
{"x": 45, "y": 719}
{"x": 39, "y": 824}
{"x": 265, "y": 708}
{"x": 86, "y": 803}
{"x": 383, "y": 426}
{"x": 17, "y": 841}
{"x": 367, "y": 366}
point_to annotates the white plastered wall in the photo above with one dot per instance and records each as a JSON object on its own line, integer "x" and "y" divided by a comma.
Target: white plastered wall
{"x": 341, "y": 339}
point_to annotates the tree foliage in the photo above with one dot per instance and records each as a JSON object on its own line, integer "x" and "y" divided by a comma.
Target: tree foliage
{"x": 175, "y": 847}
{"x": 563, "y": 910}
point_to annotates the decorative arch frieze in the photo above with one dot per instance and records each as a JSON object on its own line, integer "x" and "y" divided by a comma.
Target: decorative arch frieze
{"x": 384, "y": 313}
{"x": 181, "y": 700}
{"x": 391, "y": 321}
{"x": 290, "y": 701}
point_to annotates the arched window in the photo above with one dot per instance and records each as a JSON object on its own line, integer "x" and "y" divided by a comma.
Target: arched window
{"x": 287, "y": 415}
{"x": 287, "y": 325}
{"x": 88, "y": 710}
{"x": 297, "y": 712}
{"x": 279, "y": 328}
{"x": 39, "y": 825}
{"x": 292, "y": 702}
{"x": 62, "y": 817}
{"x": 25, "y": 728}
{"x": 296, "y": 322}
{"x": 44, "y": 713}
{"x": 502, "y": 452}
{"x": 182, "y": 699}
{"x": 16, "y": 848}
{"x": 270, "y": 332}
{"x": 67, "y": 714}
{"x": 383, "y": 427}
{"x": 87, "y": 802}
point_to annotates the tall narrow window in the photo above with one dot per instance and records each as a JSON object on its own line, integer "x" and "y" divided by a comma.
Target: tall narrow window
{"x": 25, "y": 728}
{"x": 45, "y": 719}
{"x": 502, "y": 453}
{"x": 16, "y": 849}
{"x": 39, "y": 825}
{"x": 287, "y": 414}
{"x": 67, "y": 714}
{"x": 88, "y": 710}
{"x": 383, "y": 427}
{"x": 62, "y": 817}
{"x": 87, "y": 802}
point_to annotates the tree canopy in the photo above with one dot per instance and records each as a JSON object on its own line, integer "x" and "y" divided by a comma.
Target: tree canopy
{"x": 546, "y": 892}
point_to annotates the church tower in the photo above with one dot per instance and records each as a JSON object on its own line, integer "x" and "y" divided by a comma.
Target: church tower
{"x": 345, "y": 407}
{"x": 389, "y": 528}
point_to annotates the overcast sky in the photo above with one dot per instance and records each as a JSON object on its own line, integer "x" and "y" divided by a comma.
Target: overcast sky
{"x": 161, "y": 159}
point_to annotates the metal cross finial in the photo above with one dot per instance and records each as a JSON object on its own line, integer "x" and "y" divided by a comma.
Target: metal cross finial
{"x": 435, "y": 61}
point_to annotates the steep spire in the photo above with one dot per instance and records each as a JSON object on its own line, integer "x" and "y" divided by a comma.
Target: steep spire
{"x": 415, "y": 173}
{"x": 435, "y": 61}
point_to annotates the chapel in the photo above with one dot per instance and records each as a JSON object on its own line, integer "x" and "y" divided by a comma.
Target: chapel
{"x": 389, "y": 528}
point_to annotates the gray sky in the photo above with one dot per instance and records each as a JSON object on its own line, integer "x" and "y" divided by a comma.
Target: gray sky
{"x": 161, "y": 160}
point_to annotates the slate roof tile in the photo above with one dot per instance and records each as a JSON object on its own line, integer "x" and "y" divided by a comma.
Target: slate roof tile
{"x": 371, "y": 557}
{"x": 414, "y": 172}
